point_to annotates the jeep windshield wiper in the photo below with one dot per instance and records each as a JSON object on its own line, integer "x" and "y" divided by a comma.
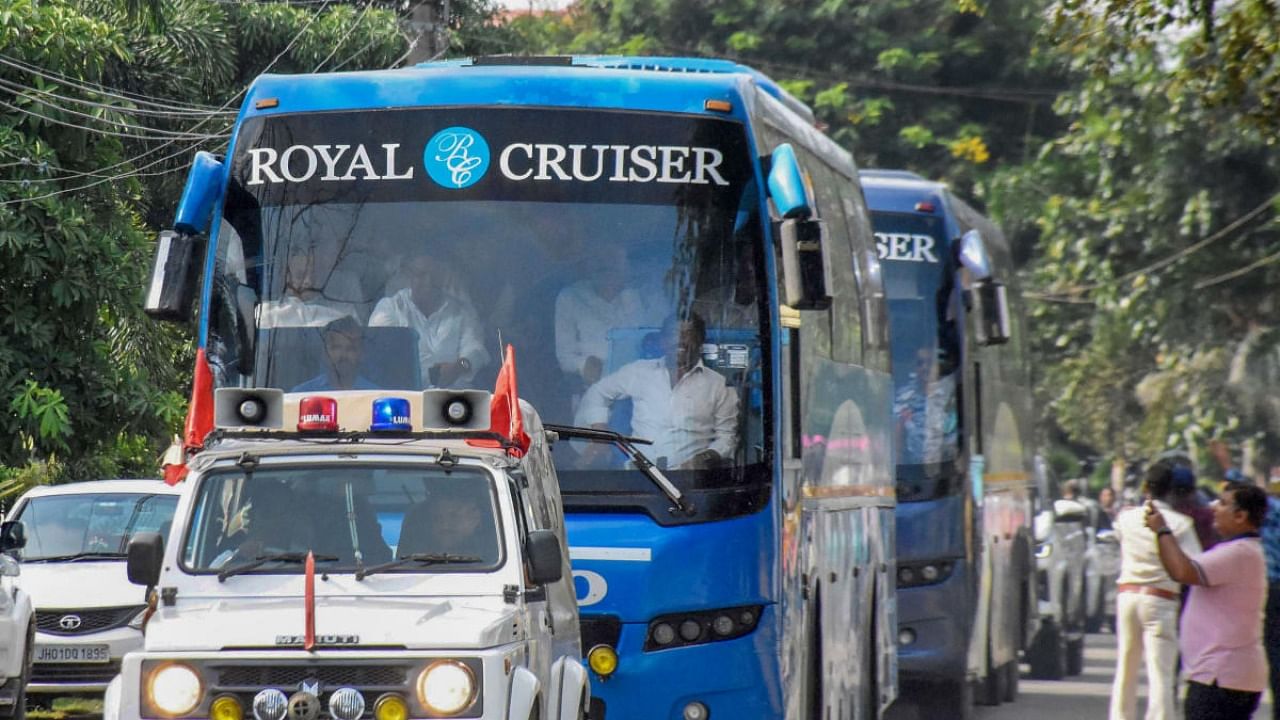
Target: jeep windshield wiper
{"x": 284, "y": 557}
{"x": 642, "y": 462}
{"x": 421, "y": 559}
{"x": 78, "y": 556}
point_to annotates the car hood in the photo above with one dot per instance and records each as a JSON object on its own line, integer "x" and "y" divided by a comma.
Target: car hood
{"x": 63, "y": 585}
{"x": 414, "y": 623}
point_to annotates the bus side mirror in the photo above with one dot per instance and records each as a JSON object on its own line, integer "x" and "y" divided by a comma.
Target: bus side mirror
{"x": 13, "y": 536}
{"x": 145, "y": 557}
{"x": 172, "y": 289}
{"x": 806, "y": 265}
{"x": 990, "y": 303}
{"x": 546, "y": 557}
{"x": 786, "y": 184}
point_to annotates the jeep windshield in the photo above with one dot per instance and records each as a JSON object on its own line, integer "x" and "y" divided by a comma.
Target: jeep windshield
{"x": 91, "y": 526}
{"x": 400, "y": 249}
{"x": 350, "y": 517}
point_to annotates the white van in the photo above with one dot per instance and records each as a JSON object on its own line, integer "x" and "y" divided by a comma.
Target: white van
{"x": 73, "y": 567}
{"x": 349, "y": 574}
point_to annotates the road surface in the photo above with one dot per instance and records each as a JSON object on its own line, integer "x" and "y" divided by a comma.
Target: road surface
{"x": 1083, "y": 697}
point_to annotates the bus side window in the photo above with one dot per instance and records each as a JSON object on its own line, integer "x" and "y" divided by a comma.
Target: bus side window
{"x": 844, "y": 318}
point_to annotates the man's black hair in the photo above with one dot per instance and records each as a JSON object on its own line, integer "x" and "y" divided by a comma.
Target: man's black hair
{"x": 345, "y": 325}
{"x": 1249, "y": 498}
{"x": 1159, "y": 479}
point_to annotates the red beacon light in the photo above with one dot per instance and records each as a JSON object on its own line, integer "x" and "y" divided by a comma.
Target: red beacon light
{"x": 318, "y": 414}
{"x": 926, "y": 206}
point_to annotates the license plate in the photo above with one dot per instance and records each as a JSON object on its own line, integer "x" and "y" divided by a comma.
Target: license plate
{"x": 72, "y": 654}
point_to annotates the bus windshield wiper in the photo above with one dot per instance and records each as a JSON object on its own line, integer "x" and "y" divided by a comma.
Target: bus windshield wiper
{"x": 420, "y": 558}
{"x": 628, "y": 445}
{"x": 284, "y": 557}
{"x": 78, "y": 556}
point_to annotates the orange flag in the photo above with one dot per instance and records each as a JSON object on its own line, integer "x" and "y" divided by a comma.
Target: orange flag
{"x": 199, "y": 422}
{"x": 504, "y": 412}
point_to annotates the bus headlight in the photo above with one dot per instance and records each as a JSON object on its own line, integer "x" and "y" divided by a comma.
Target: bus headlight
{"x": 174, "y": 689}
{"x": 446, "y": 687}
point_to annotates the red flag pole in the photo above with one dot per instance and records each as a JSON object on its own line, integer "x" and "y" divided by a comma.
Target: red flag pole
{"x": 309, "y": 637}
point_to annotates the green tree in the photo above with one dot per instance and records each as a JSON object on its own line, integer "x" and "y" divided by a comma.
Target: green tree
{"x": 1155, "y": 213}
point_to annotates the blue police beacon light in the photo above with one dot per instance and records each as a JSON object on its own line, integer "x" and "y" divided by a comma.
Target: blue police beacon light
{"x": 391, "y": 413}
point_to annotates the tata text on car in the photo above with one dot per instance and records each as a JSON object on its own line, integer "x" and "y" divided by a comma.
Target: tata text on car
{"x": 76, "y": 537}
{"x": 401, "y": 570}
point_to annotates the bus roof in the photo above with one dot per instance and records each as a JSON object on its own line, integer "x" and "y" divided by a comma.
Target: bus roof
{"x": 680, "y": 85}
{"x": 900, "y": 190}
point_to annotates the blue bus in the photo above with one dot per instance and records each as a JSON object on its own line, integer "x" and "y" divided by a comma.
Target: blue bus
{"x": 686, "y": 268}
{"x": 964, "y": 441}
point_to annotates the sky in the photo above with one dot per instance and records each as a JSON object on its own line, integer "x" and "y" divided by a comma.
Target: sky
{"x": 518, "y": 5}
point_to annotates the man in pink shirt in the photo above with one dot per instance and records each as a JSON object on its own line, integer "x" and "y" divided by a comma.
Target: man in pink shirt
{"x": 1221, "y": 634}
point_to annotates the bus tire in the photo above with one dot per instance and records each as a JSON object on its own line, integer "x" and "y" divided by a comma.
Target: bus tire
{"x": 1075, "y": 656}
{"x": 947, "y": 699}
{"x": 1048, "y": 653}
{"x": 1012, "y": 675}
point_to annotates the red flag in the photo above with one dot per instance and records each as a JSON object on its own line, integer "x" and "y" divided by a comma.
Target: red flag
{"x": 504, "y": 410}
{"x": 199, "y": 422}
{"x": 200, "y": 412}
{"x": 309, "y": 636}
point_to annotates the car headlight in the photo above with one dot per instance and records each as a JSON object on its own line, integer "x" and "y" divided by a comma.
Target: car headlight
{"x": 174, "y": 689}
{"x": 446, "y": 687}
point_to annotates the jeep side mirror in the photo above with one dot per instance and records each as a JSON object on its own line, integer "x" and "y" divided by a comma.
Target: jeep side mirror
{"x": 13, "y": 536}
{"x": 145, "y": 558}
{"x": 545, "y": 557}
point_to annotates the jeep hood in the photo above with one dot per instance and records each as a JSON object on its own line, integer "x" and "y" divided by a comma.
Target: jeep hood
{"x": 414, "y": 623}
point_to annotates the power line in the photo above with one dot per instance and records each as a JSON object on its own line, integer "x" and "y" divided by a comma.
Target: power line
{"x": 145, "y": 112}
{"x": 354, "y": 24}
{"x": 1238, "y": 272}
{"x": 90, "y": 87}
{"x": 1176, "y": 256}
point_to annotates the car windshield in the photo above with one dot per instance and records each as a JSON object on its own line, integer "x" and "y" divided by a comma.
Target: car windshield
{"x": 67, "y": 526}
{"x": 349, "y": 516}
{"x": 386, "y": 251}
{"x": 926, "y": 351}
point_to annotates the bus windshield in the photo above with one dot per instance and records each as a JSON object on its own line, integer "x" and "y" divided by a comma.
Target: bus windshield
{"x": 926, "y": 352}
{"x": 90, "y": 525}
{"x": 350, "y": 517}
{"x": 618, "y": 252}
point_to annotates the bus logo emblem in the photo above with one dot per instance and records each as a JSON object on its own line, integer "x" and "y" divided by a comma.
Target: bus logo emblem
{"x": 456, "y": 157}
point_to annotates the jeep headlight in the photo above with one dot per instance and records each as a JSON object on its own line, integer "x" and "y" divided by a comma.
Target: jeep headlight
{"x": 174, "y": 689}
{"x": 446, "y": 687}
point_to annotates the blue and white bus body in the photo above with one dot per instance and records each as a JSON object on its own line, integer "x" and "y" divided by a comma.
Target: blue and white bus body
{"x": 793, "y": 541}
{"x": 966, "y": 591}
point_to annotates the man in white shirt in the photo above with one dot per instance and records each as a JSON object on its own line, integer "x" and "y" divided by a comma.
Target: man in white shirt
{"x": 450, "y": 348}
{"x": 1147, "y": 603}
{"x": 304, "y": 301}
{"x": 587, "y": 310}
{"x": 687, "y": 409}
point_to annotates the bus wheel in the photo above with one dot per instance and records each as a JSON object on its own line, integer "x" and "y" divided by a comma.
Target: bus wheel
{"x": 947, "y": 699}
{"x": 1048, "y": 653}
{"x": 1075, "y": 656}
{"x": 1012, "y": 676}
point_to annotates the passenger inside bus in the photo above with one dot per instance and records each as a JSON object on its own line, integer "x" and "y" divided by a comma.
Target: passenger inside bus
{"x": 586, "y": 310}
{"x": 450, "y": 345}
{"x": 687, "y": 410}
{"x": 310, "y": 293}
